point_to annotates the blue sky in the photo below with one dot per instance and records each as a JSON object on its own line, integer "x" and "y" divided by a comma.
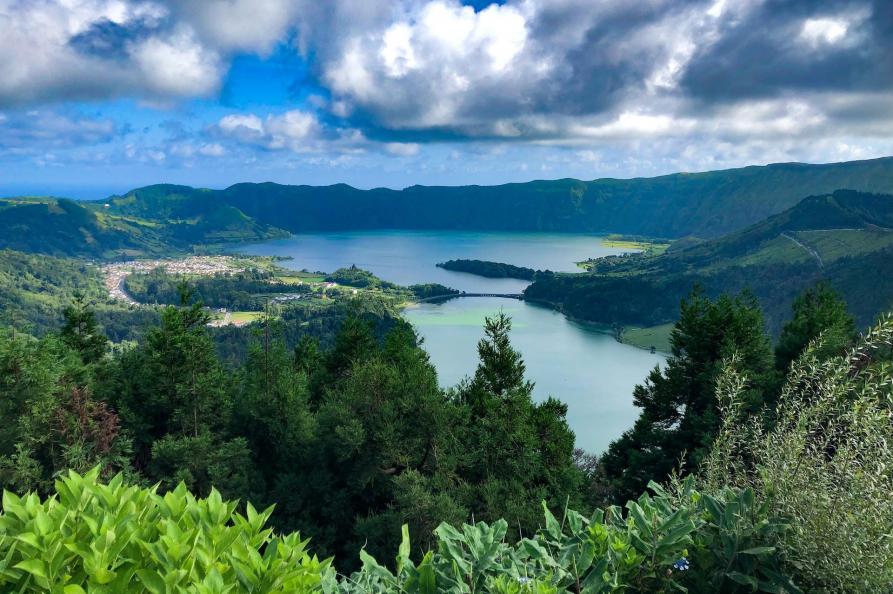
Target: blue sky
{"x": 100, "y": 96}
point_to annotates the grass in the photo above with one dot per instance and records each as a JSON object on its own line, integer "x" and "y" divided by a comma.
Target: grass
{"x": 779, "y": 250}
{"x": 651, "y": 246}
{"x": 300, "y": 277}
{"x": 245, "y": 317}
{"x": 657, "y": 337}
{"x": 840, "y": 243}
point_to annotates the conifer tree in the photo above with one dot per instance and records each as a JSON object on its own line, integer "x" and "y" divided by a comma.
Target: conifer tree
{"x": 679, "y": 416}
{"x": 81, "y": 332}
{"x": 517, "y": 452}
{"x": 818, "y": 310}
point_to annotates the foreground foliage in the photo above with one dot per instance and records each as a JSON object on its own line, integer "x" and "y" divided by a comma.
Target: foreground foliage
{"x": 117, "y": 538}
{"x": 824, "y": 465}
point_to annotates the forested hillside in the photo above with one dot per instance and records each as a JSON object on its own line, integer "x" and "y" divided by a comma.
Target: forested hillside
{"x": 60, "y": 227}
{"x": 845, "y": 238}
{"x": 358, "y": 448}
{"x": 706, "y": 204}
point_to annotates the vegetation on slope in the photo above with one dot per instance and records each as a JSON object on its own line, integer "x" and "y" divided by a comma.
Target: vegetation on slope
{"x": 796, "y": 500}
{"x": 706, "y": 204}
{"x": 360, "y": 432}
{"x": 67, "y": 228}
{"x": 845, "y": 238}
{"x": 61, "y": 227}
{"x": 34, "y": 291}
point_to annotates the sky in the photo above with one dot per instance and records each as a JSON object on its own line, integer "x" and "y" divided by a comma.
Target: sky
{"x": 101, "y": 96}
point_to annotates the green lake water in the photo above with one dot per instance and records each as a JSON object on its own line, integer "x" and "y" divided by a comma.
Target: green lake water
{"x": 589, "y": 370}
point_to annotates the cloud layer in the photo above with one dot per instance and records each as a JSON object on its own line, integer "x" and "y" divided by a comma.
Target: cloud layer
{"x": 643, "y": 85}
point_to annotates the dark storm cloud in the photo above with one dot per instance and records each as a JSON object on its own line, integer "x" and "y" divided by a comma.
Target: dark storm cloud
{"x": 767, "y": 53}
{"x": 598, "y": 75}
{"x": 109, "y": 40}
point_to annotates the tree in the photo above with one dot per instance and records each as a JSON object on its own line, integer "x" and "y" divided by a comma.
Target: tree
{"x": 81, "y": 332}
{"x": 517, "y": 453}
{"x": 173, "y": 398}
{"x": 818, "y": 310}
{"x": 382, "y": 449}
{"x": 50, "y": 422}
{"x": 679, "y": 417}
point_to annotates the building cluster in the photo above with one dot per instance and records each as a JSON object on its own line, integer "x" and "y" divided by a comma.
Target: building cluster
{"x": 200, "y": 265}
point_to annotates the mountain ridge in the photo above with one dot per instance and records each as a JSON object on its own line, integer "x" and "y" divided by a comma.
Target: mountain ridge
{"x": 705, "y": 204}
{"x": 844, "y": 238}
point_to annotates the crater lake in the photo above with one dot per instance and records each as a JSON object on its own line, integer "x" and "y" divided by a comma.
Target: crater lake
{"x": 576, "y": 363}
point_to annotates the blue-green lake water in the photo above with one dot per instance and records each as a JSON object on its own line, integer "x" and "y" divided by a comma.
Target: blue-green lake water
{"x": 587, "y": 369}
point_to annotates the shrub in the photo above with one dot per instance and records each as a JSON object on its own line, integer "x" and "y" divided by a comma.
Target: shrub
{"x": 825, "y": 466}
{"x": 670, "y": 541}
{"x": 117, "y": 538}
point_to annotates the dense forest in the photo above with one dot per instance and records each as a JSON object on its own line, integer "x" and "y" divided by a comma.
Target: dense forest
{"x": 357, "y": 446}
{"x": 490, "y": 269}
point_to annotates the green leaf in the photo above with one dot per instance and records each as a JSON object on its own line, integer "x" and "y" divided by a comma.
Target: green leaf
{"x": 33, "y": 566}
{"x": 153, "y": 582}
{"x": 741, "y": 578}
{"x": 758, "y": 551}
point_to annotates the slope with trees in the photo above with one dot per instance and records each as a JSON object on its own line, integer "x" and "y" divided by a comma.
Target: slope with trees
{"x": 359, "y": 449}
{"x": 708, "y": 204}
{"x": 844, "y": 238}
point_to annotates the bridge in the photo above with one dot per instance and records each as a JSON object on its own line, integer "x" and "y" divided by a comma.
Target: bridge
{"x": 519, "y": 296}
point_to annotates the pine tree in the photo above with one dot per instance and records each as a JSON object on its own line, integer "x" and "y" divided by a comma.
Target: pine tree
{"x": 679, "y": 416}
{"x": 81, "y": 332}
{"x": 517, "y": 453}
{"x": 818, "y": 310}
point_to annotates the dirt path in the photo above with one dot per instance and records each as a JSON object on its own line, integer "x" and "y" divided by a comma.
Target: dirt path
{"x": 811, "y": 251}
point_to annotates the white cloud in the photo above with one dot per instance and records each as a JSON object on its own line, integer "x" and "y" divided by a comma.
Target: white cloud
{"x": 295, "y": 130}
{"x": 177, "y": 65}
{"x": 402, "y": 149}
{"x": 212, "y": 150}
{"x": 238, "y": 122}
{"x": 239, "y": 25}
{"x": 418, "y": 69}
{"x": 55, "y": 50}
{"x": 824, "y": 30}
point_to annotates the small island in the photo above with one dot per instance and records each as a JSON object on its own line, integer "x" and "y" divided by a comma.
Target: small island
{"x": 492, "y": 269}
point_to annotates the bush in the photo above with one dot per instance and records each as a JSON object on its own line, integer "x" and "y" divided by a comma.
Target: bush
{"x": 823, "y": 466}
{"x": 117, "y": 538}
{"x": 651, "y": 548}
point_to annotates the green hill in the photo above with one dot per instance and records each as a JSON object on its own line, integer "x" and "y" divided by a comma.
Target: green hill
{"x": 845, "y": 238}
{"x": 707, "y": 205}
{"x": 61, "y": 227}
{"x": 35, "y": 289}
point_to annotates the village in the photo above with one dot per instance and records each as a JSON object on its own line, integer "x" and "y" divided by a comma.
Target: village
{"x": 116, "y": 274}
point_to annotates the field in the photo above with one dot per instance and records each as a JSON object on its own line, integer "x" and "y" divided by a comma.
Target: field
{"x": 649, "y": 245}
{"x": 646, "y": 338}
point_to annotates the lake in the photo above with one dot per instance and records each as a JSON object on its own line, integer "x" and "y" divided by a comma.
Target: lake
{"x": 589, "y": 370}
